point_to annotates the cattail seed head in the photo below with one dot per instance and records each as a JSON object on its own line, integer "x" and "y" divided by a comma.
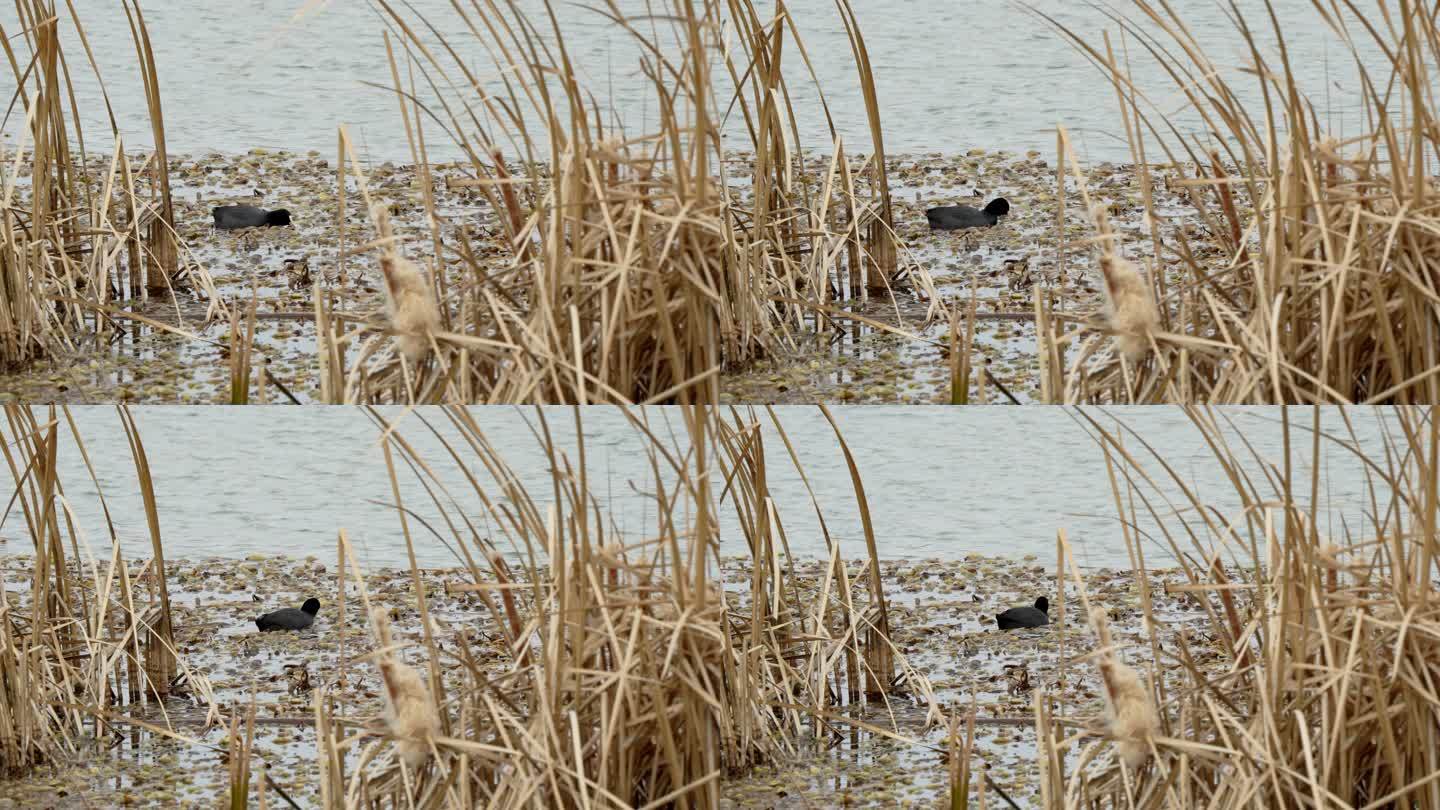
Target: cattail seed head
{"x": 409, "y": 303}
{"x": 1129, "y": 305}
{"x": 1130, "y": 713}
{"x": 410, "y": 712}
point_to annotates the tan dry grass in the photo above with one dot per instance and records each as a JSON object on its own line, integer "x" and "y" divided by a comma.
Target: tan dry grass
{"x": 1327, "y": 692}
{"x": 74, "y": 241}
{"x": 631, "y": 677}
{"x": 1327, "y": 292}
{"x": 639, "y": 269}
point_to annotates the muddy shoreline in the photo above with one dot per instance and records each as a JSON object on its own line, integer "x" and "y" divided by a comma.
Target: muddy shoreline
{"x": 843, "y": 361}
{"x": 942, "y": 619}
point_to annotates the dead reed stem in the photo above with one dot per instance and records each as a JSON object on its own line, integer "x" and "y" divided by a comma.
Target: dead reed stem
{"x": 638, "y": 268}
{"x": 1329, "y": 647}
{"x": 1320, "y": 287}
{"x": 632, "y": 676}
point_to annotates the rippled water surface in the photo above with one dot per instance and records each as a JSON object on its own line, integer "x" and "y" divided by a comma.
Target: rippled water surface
{"x": 952, "y": 76}
{"x": 941, "y": 482}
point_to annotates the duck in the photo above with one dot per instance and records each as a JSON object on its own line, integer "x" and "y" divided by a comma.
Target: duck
{"x": 960, "y": 217}
{"x": 233, "y": 217}
{"x": 1020, "y": 617}
{"x": 290, "y": 618}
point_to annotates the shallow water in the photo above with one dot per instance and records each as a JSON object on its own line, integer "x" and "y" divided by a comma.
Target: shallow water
{"x": 951, "y": 76}
{"x": 940, "y": 482}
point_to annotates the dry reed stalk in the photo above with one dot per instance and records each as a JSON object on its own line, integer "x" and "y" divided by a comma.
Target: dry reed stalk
{"x": 239, "y": 743}
{"x": 960, "y": 759}
{"x": 242, "y": 348}
{"x": 961, "y": 351}
{"x": 638, "y": 271}
{"x": 75, "y": 234}
{"x": 1328, "y": 648}
{"x": 86, "y": 645}
{"x": 631, "y": 676}
{"x": 161, "y": 243}
{"x": 1322, "y": 287}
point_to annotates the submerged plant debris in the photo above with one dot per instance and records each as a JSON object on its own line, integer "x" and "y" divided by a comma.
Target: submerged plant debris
{"x": 942, "y": 614}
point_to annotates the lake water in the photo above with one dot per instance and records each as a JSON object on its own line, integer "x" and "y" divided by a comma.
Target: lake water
{"x": 941, "y": 482}
{"x": 952, "y": 76}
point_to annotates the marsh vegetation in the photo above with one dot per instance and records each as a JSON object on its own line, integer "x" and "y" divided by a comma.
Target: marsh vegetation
{"x": 564, "y": 661}
{"x": 565, "y": 258}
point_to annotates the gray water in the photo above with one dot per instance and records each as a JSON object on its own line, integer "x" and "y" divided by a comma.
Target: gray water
{"x": 940, "y": 482}
{"x": 952, "y": 75}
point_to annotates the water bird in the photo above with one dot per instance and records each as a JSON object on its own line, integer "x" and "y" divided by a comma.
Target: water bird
{"x": 1018, "y": 617}
{"x": 960, "y": 217}
{"x": 232, "y": 217}
{"x": 297, "y": 678}
{"x": 290, "y": 618}
{"x": 297, "y": 273}
{"x": 1017, "y": 678}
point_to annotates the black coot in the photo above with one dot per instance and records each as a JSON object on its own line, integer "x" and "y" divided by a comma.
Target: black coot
{"x": 290, "y": 618}
{"x": 230, "y": 217}
{"x": 959, "y": 217}
{"x": 1018, "y": 617}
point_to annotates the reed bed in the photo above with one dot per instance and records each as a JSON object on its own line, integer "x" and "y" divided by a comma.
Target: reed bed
{"x": 91, "y": 643}
{"x": 639, "y": 268}
{"x": 1324, "y": 288}
{"x": 1314, "y": 683}
{"x": 629, "y": 674}
{"x": 78, "y": 233}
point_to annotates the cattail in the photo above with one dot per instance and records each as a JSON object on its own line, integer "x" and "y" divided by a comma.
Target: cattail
{"x": 1129, "y": 306}
{"x": 1329, "y": 556}
{"x": 612, "y": 560}
{"x": 409, "y": 303}
{"x": 409, "y": 711}
{"x": 1131, "y": 714}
